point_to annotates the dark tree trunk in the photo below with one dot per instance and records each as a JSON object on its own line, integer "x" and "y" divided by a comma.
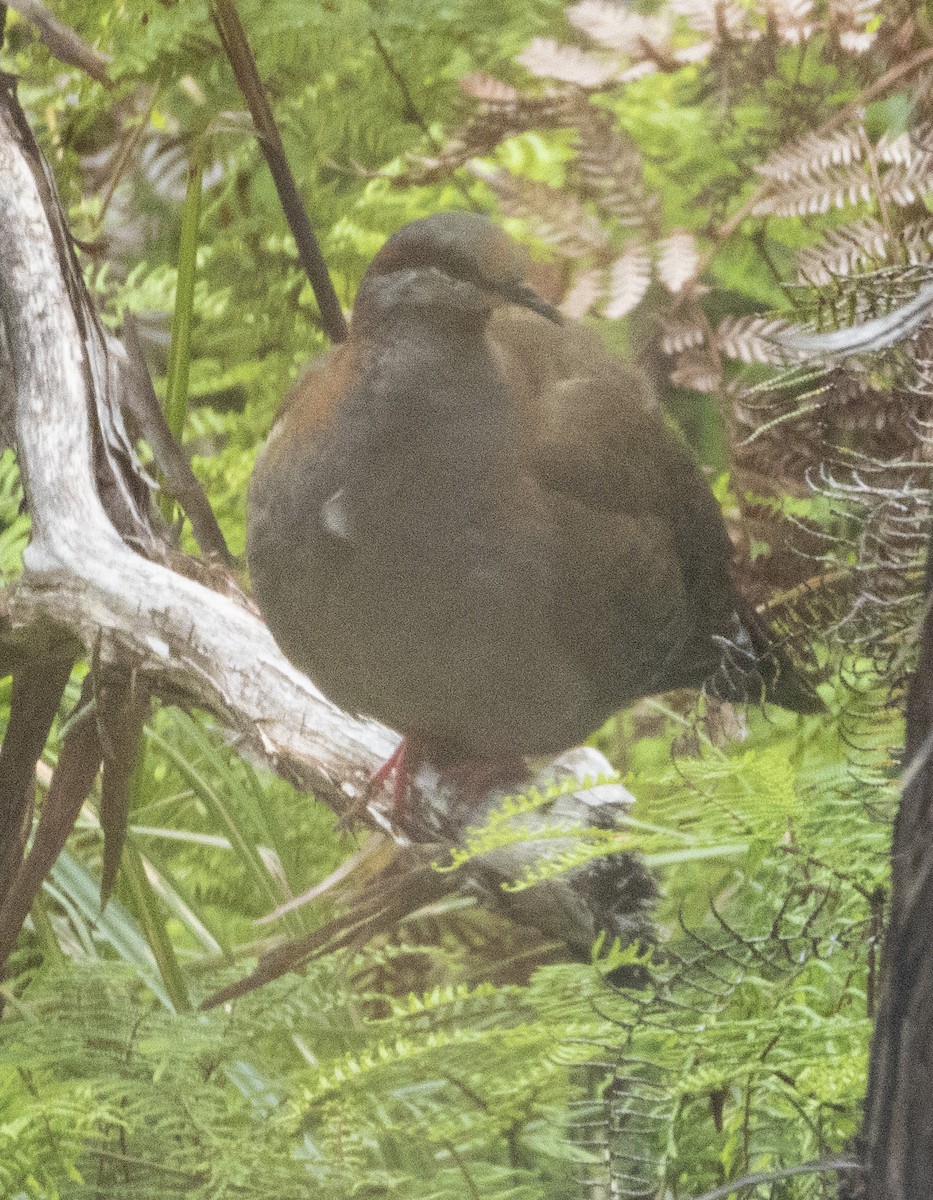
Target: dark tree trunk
{"x": 897, "y": 1131}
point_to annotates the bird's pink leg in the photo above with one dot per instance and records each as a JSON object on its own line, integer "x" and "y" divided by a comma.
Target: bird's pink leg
{"x": 470, "y": 774}
{"x": 397, "y": 768}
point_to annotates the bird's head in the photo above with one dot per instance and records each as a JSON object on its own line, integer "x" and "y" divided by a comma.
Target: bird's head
{"x": 449, "y": 263}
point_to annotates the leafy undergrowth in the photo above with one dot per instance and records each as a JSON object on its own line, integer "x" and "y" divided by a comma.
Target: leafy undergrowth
{"x": 737, "y": 1044}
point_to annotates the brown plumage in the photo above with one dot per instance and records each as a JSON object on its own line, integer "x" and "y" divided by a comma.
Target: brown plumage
{"x": 473, "y": 524}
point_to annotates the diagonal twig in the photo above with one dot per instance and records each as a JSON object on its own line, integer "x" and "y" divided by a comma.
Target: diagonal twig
{"x": 237, "y": 49}
{"x": 63, "y": 43}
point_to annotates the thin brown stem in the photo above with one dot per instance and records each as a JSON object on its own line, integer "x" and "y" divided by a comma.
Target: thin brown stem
{"x": 237, "y": 49}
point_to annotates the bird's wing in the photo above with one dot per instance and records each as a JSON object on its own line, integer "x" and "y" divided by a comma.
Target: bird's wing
{"x": 645, "y": 557}
{"x": 643, "y": 529}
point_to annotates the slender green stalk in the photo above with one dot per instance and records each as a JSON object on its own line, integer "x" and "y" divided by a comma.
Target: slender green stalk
{"x": 147, "y": 910}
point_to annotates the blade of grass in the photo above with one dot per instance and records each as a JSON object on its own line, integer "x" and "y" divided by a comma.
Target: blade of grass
{"x": 149, "y": 914}
{"x": 115, "y": 925}
{"x": 174, "y": 897}
{"x": 247, "y": 852}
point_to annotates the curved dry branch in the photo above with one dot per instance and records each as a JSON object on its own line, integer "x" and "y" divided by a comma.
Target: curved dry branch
{"x": 62, "y": 41}
{"x": 84, "y": 581}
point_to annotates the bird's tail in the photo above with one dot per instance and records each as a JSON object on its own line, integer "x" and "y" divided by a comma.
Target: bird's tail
{"x": 755, "y": 657}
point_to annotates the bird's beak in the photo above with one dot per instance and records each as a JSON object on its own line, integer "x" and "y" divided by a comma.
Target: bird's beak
{"x": 527, "y": 297}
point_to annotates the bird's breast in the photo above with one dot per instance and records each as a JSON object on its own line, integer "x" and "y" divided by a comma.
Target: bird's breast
{"x": 403, "y": 558}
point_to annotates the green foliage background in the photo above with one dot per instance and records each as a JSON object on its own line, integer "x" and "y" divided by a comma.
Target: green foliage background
{"x": 455, "y": 1058}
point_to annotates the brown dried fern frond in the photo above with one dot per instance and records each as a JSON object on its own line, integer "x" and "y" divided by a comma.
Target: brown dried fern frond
{"x": 904, "y": 184}
{"x": 549, "y": 59}
{"x": 813, "y": 154}
{"x": 680, "y": 333}
{"x": 862, "y": 246}
{"x": 698, "y": 370}
{"x": 554, "y": 106}
{"x": 916, "y": 239}
{"x": 844, "y": 250}
{"x": 609, "y": 169}
{"x": 835, "y": 187}
{"x": 820, "y": 172}
{"x": 750, "y": 339}
{"x": 900, "y": 148}
{"x": 585, "y": 292}
{"x": 616, "y": 28}
{"x": 502, "y": 112}
{"x": 627, "y": 281}
{"x": 557, "y": 216}
{"x": 678, "y": 260}
{"x": 492, "y": 93}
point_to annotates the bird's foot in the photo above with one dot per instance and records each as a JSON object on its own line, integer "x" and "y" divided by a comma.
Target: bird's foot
{"x": 465, "y": 775}
{"x": 395, "y": 771}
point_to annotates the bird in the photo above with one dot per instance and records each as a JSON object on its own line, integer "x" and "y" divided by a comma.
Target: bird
{"x": 474, "y": 524}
